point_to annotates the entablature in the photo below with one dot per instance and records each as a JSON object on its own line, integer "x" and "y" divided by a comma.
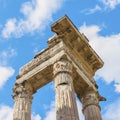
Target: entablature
{"x": 39, "y": 71}
{"x": 78, "y": 42}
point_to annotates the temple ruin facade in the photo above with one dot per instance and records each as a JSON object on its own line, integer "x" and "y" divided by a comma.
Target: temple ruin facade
{"x": 71, "y": 63}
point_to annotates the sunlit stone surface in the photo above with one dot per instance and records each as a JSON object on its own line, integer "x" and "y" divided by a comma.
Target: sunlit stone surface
{"x": 71, "y": 63}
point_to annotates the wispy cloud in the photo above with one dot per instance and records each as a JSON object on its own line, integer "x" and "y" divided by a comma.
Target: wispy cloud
{"x": 108, "y": 47}
{"x": 5, "y": 74}
{"x": 9, "y": 28}
{"x": 6, "y": 54}
{"x": 6, "y": 71}
{"x": 51, "y": 114}
{"x": 37, "y": 14}
{"x": 112, "y": 111}
{"x": 6, "y": 113}
{"x": 92, "y": 10}
{"x": 36, "y": 117}
{"x": 117, "y": 86}
{"x": 110, "y": 3}
{"x": 106, "y": 4}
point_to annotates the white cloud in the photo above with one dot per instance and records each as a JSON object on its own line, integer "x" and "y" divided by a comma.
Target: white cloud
{"x": 35, "y": 117}
{"x": 10, "y": 27}
{"x": 112, "y": 111}
{"x": 51, "y": 114}
{"x": 5, "y": 74}
{"x": 6, "y": 113}
{"x": 5, "y": 55}
{"x": 110, "y": 3}
{"x": 108, "y": 48}
{"x": 92, "y": 10}
{"x": 37, "y": 14}
{"x": 117, "y": 86}
{"x": 6, "y": 71}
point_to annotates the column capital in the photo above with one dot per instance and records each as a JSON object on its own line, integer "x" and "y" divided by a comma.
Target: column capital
{"x": 90, "y": 97}
{"x": 90, "y": 104}
{"x": 62, "y": 65}
{"x": 22, "y": 90}
{"x": 64, "y": 68}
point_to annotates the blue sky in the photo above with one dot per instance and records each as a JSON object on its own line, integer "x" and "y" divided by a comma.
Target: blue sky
{"x": 24, "y": 31}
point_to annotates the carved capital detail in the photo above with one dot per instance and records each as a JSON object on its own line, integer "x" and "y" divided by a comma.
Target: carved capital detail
{"x": 62, "y": 66}
{"x": 90, "y": 99}
{"x": 22, "y": 90}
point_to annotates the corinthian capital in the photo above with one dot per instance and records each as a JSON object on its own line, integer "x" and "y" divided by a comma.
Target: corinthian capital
{"x": 22, "y": 90}
{"x": 62, "y": 66}
{"x": 90, "y": 98}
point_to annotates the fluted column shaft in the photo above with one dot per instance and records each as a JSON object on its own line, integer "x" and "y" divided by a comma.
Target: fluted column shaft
{"x": 91, "y": 108}
{"x": 66, "y": 108}
{"x": 22, "y": 102}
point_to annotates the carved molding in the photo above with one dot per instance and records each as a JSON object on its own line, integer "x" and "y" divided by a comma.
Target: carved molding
{"x": 62, "y": 66}
{"x": 61, "y": 69}
{"x": 22, "y": 90}
{"x": 90, "y": 98}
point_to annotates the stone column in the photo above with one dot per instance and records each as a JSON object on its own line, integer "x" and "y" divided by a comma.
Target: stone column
{"x": 22, "y": 102}
{"x": 66, "y": 108}
{"x": 91, "y": 108}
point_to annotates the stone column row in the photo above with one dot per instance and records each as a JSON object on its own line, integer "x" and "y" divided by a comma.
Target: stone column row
{"x": 66, "y": 107}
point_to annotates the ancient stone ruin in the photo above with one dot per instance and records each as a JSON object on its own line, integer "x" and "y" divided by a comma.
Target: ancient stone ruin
{"x": 71, "y": 63}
